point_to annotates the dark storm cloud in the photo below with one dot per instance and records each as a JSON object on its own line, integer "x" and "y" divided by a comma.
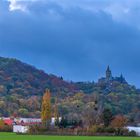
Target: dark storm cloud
{"x": 74, "y": 42}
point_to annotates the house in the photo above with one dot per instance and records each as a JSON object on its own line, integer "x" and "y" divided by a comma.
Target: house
{"x": 21, "y": 125}
{"x": 20, "y": 129}
{"x": 7, "y": 121}
{"x": 136, "y": 129}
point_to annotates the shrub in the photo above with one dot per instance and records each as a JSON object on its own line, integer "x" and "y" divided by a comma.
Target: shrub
{"x": 6, "y": 128}
{"x": 100, "y": 129}
{"x": 110, "y": 130}
{"x": 93, "y": 129}
{"x": 132, "y": 133}
{"x": 35, "y": 129}
{"x": 106, "y": 130}
{"x": 119, "y": 132}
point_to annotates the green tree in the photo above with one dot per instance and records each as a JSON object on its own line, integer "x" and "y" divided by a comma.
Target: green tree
{"x": 63, "y": 123}
{"x": 23, "y": 112}
{"x": 107, "y": 117}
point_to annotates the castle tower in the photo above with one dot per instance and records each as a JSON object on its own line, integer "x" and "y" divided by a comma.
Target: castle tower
{"x": 108, "y": 73}
{"x": 122, "y": 79}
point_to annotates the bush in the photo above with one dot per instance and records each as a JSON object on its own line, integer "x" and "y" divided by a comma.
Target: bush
{"x": 6, "y": 128}
{"x": 106, "y": 130}
{"x": 121, "y": 132}
{"x": 110, "y": 130}
{"x": 100, "y": 130}
{"x": 93, "y": 129}
{"x": 132, "y": 133}
{"x": 124, "y": 132}
{"x": 35, "y": 129}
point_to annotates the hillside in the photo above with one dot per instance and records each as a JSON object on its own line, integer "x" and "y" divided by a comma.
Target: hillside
{"x": 22, "y": 87}
{"x": 23, "y": 79}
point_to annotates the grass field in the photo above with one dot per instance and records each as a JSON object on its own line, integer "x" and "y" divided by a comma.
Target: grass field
{"x": 12, "y": 136}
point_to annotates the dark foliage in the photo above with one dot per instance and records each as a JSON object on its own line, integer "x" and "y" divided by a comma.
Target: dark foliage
{"x": 107, "y": 117}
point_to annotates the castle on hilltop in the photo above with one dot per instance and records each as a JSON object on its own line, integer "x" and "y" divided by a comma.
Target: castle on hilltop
{"x": 109, "y": 78}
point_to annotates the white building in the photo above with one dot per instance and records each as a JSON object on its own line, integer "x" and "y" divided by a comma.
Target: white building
{"x": 136, "y": 129}
{"x": 21, "y": 125}
{"x": 20, "y": 129}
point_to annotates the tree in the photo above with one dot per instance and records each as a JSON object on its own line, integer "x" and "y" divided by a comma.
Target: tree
{"x": 56, "y": 114}
{"x": 1, "y": 123}
{"x": 119, "y": 121}
{"x": 23, "y": 112}
{"x": 46, "y": 108}
{"x": 107, "y": 117}
{"x": 63, "y": 123}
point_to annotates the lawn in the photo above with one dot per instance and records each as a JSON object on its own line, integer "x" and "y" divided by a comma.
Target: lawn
{"x": 12, "y": 136}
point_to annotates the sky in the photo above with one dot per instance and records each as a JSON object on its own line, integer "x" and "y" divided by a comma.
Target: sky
{"x": 75, "y": 39}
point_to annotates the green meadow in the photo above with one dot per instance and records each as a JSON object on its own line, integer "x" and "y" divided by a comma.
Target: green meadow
{"x": 12, "y": 136}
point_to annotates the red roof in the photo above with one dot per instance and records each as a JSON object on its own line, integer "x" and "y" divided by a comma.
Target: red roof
{"x": 8, "y": 121}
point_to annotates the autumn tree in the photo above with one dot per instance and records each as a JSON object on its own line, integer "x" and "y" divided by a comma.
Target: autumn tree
{"x": 46, "y": 108}
{"x": 119, "y": 121}
{"x": 1, "y": 123}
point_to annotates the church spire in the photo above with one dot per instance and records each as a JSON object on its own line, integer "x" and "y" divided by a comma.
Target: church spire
{"x": 122, "y": 79}
{"x": 108, "y": 73}
{"x": 121, "y": 76}
{"x": 108, "y": 68}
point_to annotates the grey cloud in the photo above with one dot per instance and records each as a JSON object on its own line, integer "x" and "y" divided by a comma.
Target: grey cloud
{"x": 73, "y": 42}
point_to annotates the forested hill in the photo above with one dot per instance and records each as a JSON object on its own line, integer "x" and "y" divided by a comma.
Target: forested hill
{"x": 23, "y": 79}
{"x": 22, "y": 87}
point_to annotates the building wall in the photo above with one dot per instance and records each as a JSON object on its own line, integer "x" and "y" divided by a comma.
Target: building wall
{"x": 136, "y": 129}
{"x": 20, "y": 129}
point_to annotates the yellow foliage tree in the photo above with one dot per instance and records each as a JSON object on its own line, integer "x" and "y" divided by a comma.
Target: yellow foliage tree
{"x": 1, "y": 123}
{"x": 46, "y": 108}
